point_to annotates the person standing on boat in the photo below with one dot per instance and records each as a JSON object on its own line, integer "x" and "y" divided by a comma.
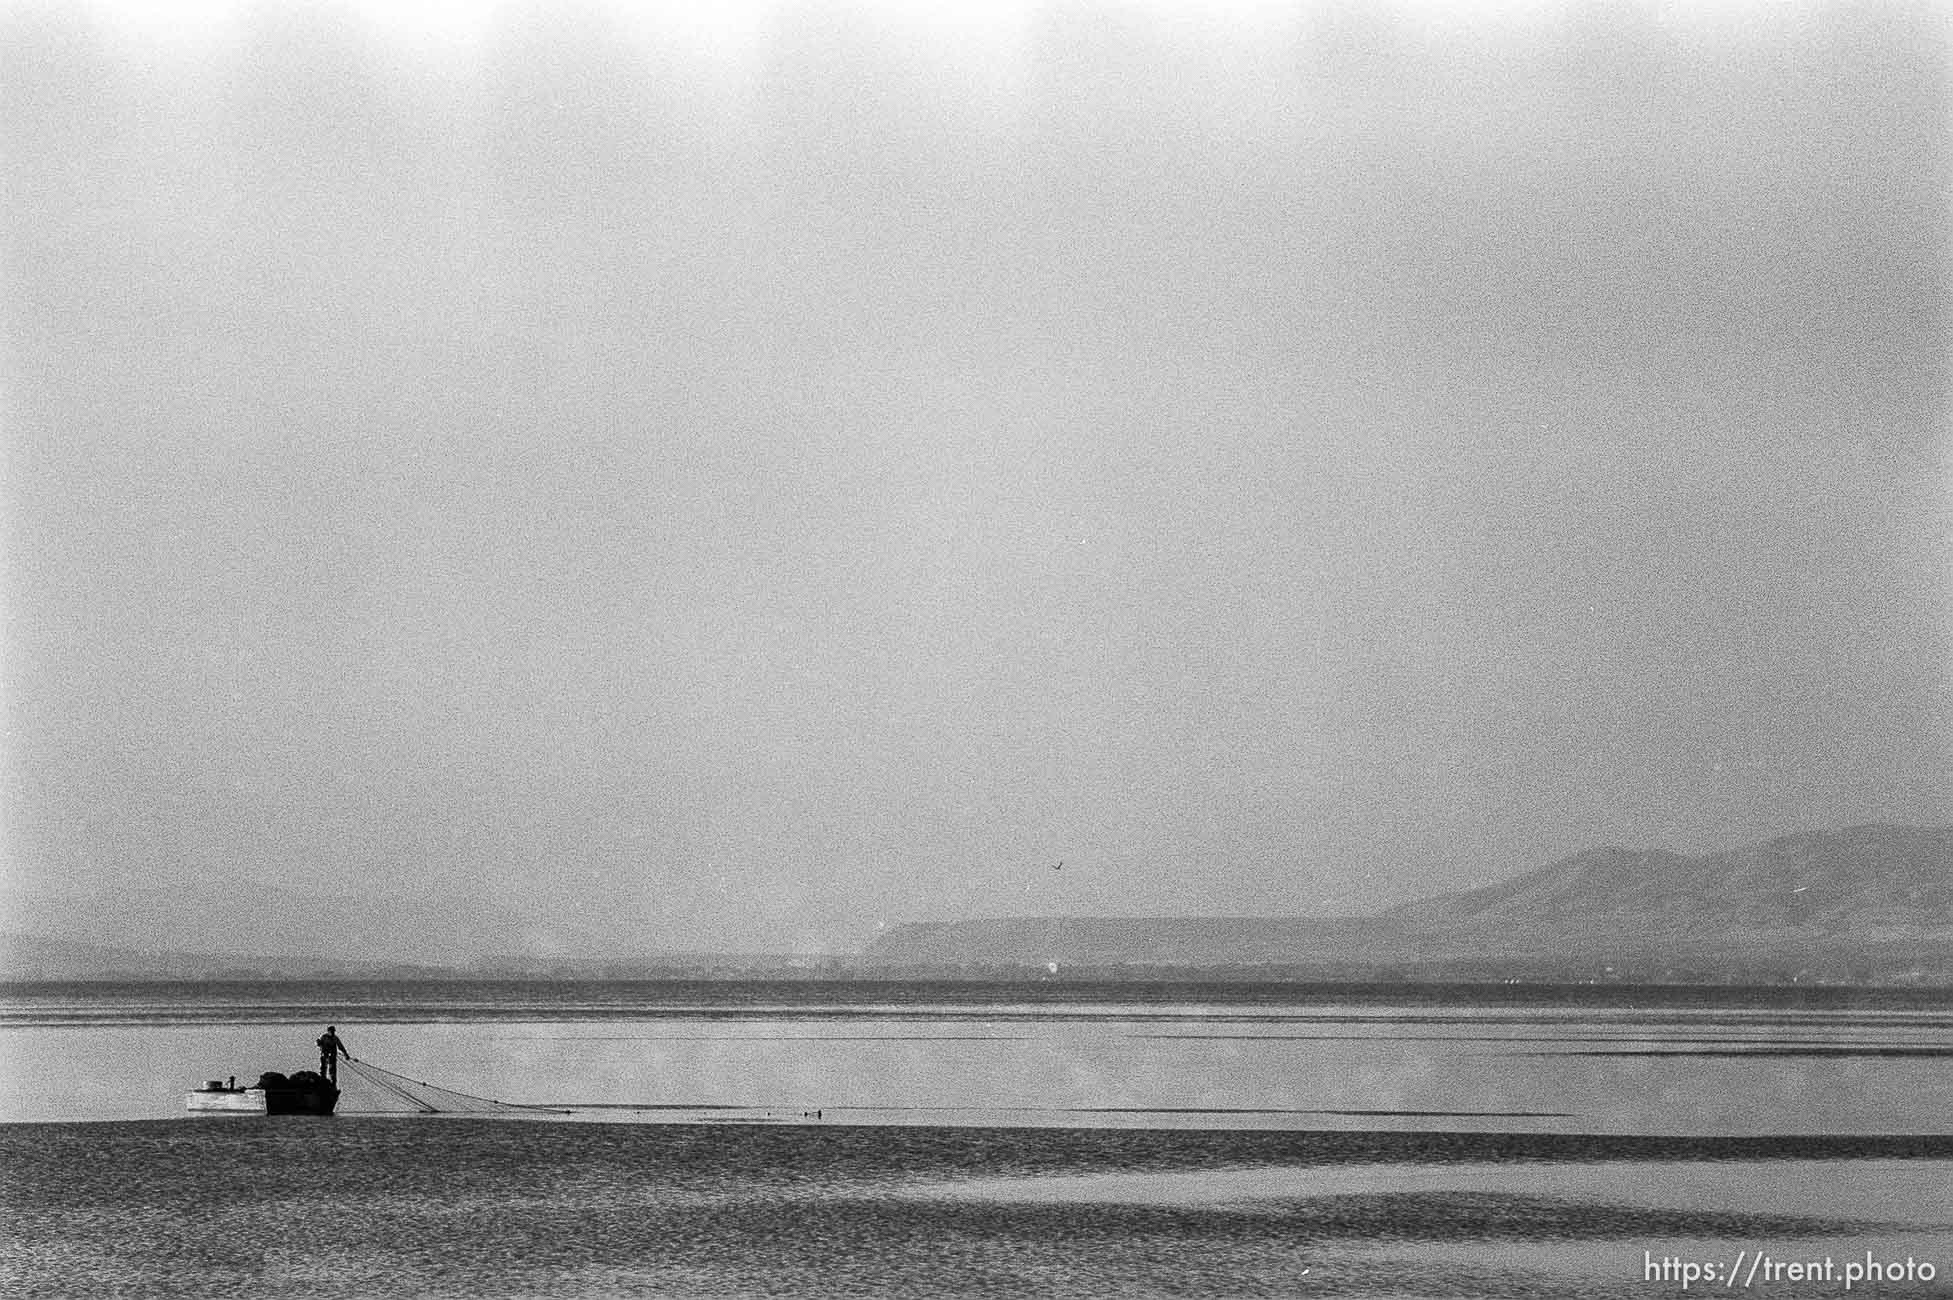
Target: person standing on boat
{"x": 330, "y": 1050}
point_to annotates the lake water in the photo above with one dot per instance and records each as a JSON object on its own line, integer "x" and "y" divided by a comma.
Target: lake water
{"x": 1242, "y": 1056}
{"x": 807, "y": 1139}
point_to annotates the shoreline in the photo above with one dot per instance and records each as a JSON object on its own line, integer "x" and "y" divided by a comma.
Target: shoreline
{"x": 304, "y": 1208}
{"x": 1154, "y": 1147}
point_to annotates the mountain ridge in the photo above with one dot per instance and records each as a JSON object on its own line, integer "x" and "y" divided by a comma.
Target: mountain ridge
{"x": 1833, "y": 890}
{"x": 247, "y": 918}
{"x": 1858, "y": 898}
{"x": 1873, "y": 881}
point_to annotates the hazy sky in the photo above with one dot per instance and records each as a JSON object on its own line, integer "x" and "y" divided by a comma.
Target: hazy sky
{"x": 761, "y": 474}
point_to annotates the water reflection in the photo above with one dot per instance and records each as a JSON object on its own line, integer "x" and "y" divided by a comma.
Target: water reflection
{"x": 1689, "y": 1070}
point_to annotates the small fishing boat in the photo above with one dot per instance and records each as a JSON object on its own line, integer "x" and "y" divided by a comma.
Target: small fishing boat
{"x": 304, "y": 1093}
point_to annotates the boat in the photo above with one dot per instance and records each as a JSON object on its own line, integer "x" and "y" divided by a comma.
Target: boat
{"x": 304, "y": 1093}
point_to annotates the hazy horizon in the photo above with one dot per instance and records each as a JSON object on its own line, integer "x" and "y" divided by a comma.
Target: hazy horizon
{"x": 760, "y": 473}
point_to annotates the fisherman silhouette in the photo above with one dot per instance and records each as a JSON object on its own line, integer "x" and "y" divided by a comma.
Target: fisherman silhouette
{"x": 330, "y": 1050}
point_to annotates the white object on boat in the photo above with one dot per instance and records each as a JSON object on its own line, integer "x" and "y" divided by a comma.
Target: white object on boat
{"x": 216, "y": 1098}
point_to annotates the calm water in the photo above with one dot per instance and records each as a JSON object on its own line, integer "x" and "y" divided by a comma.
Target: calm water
{"x": 1244, "y": 1057}
{"x": 1051, "y": 1142}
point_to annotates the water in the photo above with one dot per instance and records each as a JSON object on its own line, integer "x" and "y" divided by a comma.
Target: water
{"x": 1242, "y": 1057}
{"x": 1096, "y": 1140}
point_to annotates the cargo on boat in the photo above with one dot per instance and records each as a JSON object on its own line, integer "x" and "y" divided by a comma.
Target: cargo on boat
{"x": 304, "y": 1093}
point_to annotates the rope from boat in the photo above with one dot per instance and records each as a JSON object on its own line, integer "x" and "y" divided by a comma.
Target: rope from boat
{"x": 372, "y": 1073}
{"x": 469, "y": 1103}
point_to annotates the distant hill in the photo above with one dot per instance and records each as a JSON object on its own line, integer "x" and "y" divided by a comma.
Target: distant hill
{"x": 33, "y": 957}
{"x": 1095, "y": 940}
{"x": 247, "y": 919}
{"x": 27, "y": 957}
{"x": 1862, "y": 884}
{"x": 1837, "y": 899}
{"x": 1863, "y": 903}
{"x": 251, "y": 930}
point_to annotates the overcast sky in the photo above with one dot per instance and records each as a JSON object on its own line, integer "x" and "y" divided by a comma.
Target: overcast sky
{"x": 766, "y": 474}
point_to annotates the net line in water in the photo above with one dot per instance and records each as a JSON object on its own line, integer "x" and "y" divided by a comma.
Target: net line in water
{"x": 379, "y": 1091}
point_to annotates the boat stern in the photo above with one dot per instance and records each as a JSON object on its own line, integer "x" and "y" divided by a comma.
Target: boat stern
{"x": 216, "y": 1099}
{"x": 304, "y": 1093}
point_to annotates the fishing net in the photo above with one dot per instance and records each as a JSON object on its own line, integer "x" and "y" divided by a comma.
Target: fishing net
{"x": 367, "y": 1089}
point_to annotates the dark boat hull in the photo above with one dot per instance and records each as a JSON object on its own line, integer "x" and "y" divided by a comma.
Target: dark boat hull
{"x": 304, "y": 1093}
{"x": 265, "y": 1101}
{"x": 317, "y": 1100}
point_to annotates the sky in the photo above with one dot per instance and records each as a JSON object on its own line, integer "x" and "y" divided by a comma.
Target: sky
{"x": 746, "y": 478}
